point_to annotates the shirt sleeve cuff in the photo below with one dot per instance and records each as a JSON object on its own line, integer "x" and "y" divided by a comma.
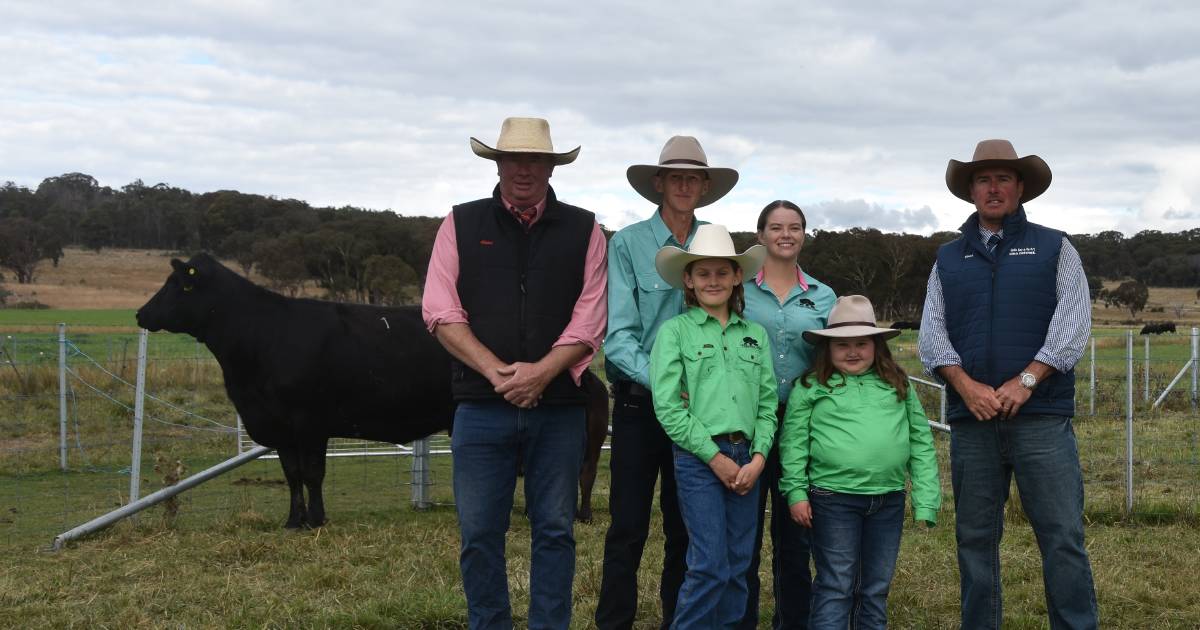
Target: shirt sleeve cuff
{"x": 1053, "y": 361}
{"x": 707, "y": 452}
{"x": 932, "y": 366}
{"x": 925, "y": 514}
{"x": 452, "y": 316}
{"x": 796, "y": 496}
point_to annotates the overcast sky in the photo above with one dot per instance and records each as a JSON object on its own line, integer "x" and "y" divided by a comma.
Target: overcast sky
{"x": 851, "y": 111}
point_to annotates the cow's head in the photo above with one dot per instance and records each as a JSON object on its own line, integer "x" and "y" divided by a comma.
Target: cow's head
{"x": 185, "y": 300}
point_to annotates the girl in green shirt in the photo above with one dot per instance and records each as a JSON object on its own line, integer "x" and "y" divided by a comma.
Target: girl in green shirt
{"x": 853, "y": 433}
{"x": 713, "y": 387}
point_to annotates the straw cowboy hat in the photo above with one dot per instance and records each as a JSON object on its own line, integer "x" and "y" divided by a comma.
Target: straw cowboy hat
{"x": 1035, "y": 173}
{"x": 711, "y": 241}
{"x": 523, "y": 135}
{"x": 685, "y": 153}
{"x": 851, "y": 316}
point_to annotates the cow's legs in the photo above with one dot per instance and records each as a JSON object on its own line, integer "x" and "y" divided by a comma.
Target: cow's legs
{"x": 312, "y": 455}
{"x": 290, "y": 458}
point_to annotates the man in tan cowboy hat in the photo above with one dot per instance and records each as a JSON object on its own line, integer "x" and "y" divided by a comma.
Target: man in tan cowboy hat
{"x": 639, "y": 301}
{"x": 1006, "y": 318}
{"x": 515, "y": 292}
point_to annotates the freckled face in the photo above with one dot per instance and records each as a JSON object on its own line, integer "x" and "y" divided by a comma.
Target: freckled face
{"x": 713, "y": 280}
{"x": 852, "y": 355}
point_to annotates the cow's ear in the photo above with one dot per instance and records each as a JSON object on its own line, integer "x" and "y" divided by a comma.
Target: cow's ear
{"x": 177, "y": 265}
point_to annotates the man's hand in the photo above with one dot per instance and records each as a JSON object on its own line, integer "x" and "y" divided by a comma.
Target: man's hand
{"x": 1012, "y": 395}
{"x": 802, "y": 513}
{"x": 748, "y": 474}
{"x": 981, "y": 399}
{"x": 725, "y": 469}
{"x": 523, "y": 383}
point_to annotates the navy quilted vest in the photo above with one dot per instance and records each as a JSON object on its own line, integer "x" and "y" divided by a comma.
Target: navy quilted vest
{"x": 999, "y": 306}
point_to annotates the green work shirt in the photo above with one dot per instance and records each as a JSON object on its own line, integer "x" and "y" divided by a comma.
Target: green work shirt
{"x": 639, "y": 300}
{"x": 854, "y": 437}
{"x": 786, "y": 322}
{"x": 728, "y": 378}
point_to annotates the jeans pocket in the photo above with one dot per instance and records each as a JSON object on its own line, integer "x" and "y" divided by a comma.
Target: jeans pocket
{"x": 821, "y": 492}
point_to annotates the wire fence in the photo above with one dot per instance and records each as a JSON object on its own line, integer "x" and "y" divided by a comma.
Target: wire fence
{"x": 70, "y": 407}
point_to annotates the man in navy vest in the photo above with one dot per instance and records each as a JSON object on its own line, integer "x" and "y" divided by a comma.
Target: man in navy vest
{"x": 1006, "y": 318}
{"x": 516, "y": 293}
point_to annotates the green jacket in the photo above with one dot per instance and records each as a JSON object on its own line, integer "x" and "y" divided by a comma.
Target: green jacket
{"x": 727, "y": 374}
{"x": 854, "y": 437}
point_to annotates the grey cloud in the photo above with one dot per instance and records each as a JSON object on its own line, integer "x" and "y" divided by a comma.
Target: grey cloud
{"x": 841, "y": 214}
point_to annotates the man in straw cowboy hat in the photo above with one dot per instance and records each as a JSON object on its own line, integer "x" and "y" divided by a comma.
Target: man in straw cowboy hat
{"x": 1006, "y": 318}
{"x": 639, "y": 301}
{"x": 515, "y": 292}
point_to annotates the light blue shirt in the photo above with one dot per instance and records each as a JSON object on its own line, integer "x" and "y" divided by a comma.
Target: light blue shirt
{"x": 639, "y": 300}
{"x": 785, "y": 323}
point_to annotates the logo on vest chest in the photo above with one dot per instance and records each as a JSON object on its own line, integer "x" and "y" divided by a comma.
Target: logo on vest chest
{"x": 1023, "y": 251}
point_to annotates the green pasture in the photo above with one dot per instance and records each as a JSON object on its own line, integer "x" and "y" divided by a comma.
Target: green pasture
{"x": 222, "y": 560}
{"x": 50, "y": 318}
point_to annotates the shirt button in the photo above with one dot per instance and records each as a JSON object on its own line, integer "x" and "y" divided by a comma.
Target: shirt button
{"x": 781, "y": 356}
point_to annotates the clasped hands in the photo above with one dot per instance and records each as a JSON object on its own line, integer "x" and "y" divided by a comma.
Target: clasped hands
{"x": 986, "y": 403}
{"x": 739, "y": 479}
{"x": 522, "y": 383}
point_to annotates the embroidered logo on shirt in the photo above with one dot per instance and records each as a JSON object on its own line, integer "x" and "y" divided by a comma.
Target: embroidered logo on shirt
{"x": 1023, "y": 251}
{"x": 487, "y": 242}
{"x": 807, "y": 303}
{"x": 749, "y": 342}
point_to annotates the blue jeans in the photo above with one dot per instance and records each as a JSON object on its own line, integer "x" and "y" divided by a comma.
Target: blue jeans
{"x": 720, "y": 526}
{"x": 488, "y": 438}
{"x": 1041, "y": 452}
{"x": 789, "y": 556}
{"x": 855, "y": 541}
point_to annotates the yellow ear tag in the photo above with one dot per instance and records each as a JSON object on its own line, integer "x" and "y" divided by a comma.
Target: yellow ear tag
{"x": 192, "y": 271}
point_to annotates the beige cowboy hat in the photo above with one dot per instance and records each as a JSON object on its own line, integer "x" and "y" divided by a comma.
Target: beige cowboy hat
{"x": 1035, "y": 173}
{"x": 851, "y": 316}
{"x": 685, "y": 153}
{"x": 710, "y": 241}
{"x": 523, "y": 135}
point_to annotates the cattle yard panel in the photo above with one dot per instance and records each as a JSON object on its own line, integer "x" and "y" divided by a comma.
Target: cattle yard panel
{"x": 189, "y": 426}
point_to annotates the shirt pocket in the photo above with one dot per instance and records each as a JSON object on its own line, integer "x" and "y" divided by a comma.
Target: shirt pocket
{"x": 749, "y": 363}
{"x": 651, "y": 282}
{"x": 699, "y": 363}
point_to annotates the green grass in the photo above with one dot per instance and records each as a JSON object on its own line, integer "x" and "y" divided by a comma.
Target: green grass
{"x": 103, "y": 318}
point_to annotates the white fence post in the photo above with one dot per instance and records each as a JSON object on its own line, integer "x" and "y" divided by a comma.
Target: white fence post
{"x": 62, "y": 396}
{"x": 1129, "y": 421}
{"x": 1195, "y": 366}
{"x": 1146, "y": 372}
{"x": 139, "y": 407}
{"x": 420, "y": 473}
{"x": 1092, "y": 399}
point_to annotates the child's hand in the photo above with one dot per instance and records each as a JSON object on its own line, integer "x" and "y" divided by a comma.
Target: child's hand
{"x": 725, "y": 469}
{"x": 748, "y": 474}
{"x": 802, "y": 513}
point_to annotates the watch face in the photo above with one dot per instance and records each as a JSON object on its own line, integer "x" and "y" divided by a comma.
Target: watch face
{"x": 1028, "y": 380}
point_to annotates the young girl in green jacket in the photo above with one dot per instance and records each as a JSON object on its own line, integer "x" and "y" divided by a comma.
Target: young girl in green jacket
{"x": 854, "y": 431}
{"x": 713, "y": 385}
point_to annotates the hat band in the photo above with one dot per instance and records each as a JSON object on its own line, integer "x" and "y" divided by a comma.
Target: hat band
{"x": 840, "y": 324}
{"x": 683, "y": 161}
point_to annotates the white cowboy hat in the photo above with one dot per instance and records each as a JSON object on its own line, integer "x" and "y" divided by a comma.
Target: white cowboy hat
{"x": 1035, "y": 173}
{"x": 711, "y": 241}
{"x": 851, "y": 316}
{"x": 682, "y": 152}
{"x": 523, "y": 135}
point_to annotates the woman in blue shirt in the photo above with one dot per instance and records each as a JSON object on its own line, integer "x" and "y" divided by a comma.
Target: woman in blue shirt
{"x": 786, "y": 301}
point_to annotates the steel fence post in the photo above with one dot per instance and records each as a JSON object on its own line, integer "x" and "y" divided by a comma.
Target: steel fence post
{"x": 1092, "y": 381}
{"x": 1195, "y": 366}
{"x": 62, "y": 396}
{"x": 1129, "y": 422}
{"x": 139, "y": 407}
{"x": 1146, "y": 372}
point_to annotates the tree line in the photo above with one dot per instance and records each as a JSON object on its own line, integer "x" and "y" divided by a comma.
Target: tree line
{"x": 379, "y": 257}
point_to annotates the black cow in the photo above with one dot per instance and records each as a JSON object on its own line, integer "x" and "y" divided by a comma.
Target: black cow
{"x": 301, "y": 371}
{"x": 1158, "y": 328}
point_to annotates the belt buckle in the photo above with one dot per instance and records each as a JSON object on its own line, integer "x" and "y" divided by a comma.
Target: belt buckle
{"x": 737, "y": 437}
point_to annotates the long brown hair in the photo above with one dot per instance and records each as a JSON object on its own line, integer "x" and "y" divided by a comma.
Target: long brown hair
{"x": 737, "y": 299}
{"x": 885, "y": 366}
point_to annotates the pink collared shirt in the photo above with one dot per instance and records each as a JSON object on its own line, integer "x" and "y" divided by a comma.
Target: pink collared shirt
{"x": 440, "y": 303}
{"x": 758, "y": 279}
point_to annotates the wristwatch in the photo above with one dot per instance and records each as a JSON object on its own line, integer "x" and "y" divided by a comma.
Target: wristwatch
{"x": 1028, "y": 380}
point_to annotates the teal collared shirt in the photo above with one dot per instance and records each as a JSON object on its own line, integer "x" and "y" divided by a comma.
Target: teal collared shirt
{"x": 803, "y": 309}
{"x": 727, "y": 376}
{"x": 639, "y": 300}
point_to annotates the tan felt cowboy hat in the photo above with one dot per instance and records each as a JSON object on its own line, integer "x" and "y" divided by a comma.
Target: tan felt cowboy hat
{"x": 851, "y": 316}
{"x": 710, "y": 241}
{"x": 1035, "y": 173}
{"x": 682, "y": 152}
{"x": 523, "y": 135}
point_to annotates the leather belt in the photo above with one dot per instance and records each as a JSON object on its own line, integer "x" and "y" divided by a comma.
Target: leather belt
{"x": 737, "y": 437}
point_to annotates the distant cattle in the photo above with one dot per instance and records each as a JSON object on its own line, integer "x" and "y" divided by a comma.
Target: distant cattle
{"x": 1158, "y": 328}
{"x": 301, "y": 371}
{"x": 907, "y": 325}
